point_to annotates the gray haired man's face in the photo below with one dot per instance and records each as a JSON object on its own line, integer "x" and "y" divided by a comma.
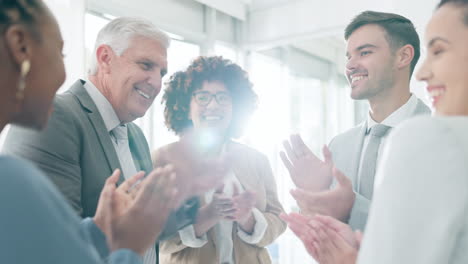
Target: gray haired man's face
{"x": 136, "y": 77}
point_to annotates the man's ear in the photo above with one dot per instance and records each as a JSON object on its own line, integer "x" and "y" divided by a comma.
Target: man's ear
{"x": 104, "y": 57}
{"x": 405, "y": 56}
{"x": 19, "y": 43}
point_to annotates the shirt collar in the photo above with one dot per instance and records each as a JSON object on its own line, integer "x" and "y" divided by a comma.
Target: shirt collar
{"x": 405, "y": 111}
{"x": 111, "y": 120}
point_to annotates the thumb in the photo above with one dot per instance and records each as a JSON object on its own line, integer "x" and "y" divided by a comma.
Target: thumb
{"x": 358, "y": 234}
{"x": 327, "y": 155}
{"x": 341, "y": 178}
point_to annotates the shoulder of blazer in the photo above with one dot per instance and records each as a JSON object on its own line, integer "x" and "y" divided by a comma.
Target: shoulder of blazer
{"x": 349, "y": 135}
{"x": 78, "y": 93}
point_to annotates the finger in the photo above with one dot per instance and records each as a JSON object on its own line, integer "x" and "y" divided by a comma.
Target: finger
{"x": 165, "y": 191}
{"x": 310, "y": 247}
{"x": 321, "y": 253}
{"x": 338, "y": 242}
{"x": 108, "y": 204}
{"x": 327, "y": 155}
{"x": 308, "y": 239}
{"x": 299, "y": 146}
{"x": 285, "y": 217}
{"x": 324, "y": 242}
{"x": 130, "y": 182}
{"x": 226, "y": 207}
{"x": 289, "y": 151}
{"x": 358, "y": 235}
{"x": 287, "y": 163}
{"x": 229, "y": 212}
{"x": 300, "y": 218}
{"x": 114, "y": 178}
{"x": 331, "y": 222}
{"x": 148, "y": 186}
{"x": 172, "y": 193}
{"x": 300, "y": 232}
{"x": 222, "y": 201}
{"x": 134, "y": 190}
{"x": 300, "y": 195}
{"x": 341, "y": 178}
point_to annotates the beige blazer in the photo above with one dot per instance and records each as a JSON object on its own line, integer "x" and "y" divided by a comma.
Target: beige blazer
{"x": 254, "y": 173}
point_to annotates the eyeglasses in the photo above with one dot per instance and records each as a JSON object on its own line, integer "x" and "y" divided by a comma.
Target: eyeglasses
{"x": 203, "y": 98}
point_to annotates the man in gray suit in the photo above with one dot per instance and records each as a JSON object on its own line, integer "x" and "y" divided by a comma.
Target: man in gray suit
{"x": 90, "y": 132}
{"x": 382, "y": 51}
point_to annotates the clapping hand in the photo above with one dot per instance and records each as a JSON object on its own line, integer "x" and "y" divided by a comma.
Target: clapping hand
{"x": 307, "y": 171}
{"x": 135, "y": 220}
{"x": 336, "y": 202}
{"x": 326, "y": 239}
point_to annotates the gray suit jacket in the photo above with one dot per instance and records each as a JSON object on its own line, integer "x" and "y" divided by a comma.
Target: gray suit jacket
{"x": 76, "y": 152}
{"x": 346, "y": 152}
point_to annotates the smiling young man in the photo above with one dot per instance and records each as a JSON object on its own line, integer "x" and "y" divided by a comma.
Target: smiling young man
{"x": 382, "y": 50}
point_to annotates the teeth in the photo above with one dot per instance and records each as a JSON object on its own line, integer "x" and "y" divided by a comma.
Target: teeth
{"x": 436, "y": 92}
{"x": 143, "y": 94}
{"x": 357, "y": 78}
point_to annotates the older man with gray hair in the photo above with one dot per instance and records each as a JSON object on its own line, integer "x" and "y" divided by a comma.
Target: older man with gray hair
{"x": 90, "y": 132}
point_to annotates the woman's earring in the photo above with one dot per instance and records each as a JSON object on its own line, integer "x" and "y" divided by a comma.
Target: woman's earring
{"x": 25, "y": 67}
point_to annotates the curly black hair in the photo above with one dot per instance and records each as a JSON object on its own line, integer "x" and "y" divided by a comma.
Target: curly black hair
{"x": 178, "y": 92}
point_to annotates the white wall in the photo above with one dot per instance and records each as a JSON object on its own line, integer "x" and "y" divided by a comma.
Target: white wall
{"x": 70, "y": 17}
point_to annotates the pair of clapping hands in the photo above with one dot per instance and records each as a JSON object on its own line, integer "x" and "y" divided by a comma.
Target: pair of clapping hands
{"x": 133, "y": 214}
{"x": 237, "y": 207}
{"x": 324, "y": 210}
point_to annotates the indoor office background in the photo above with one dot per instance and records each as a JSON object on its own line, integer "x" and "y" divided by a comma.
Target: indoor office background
{"x": 293, "y": 51}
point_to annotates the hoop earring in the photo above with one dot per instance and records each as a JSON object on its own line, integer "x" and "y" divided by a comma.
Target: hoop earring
{"x": 25, "y": 67}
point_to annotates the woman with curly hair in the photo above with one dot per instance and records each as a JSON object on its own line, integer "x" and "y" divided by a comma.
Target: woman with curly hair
{"x": 213, "y": 98}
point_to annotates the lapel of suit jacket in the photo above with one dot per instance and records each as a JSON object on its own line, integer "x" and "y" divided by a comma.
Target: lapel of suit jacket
{"x": 97, "y": 122}
{"x": 139, "y": 149}
{"x": 356, "y": 151}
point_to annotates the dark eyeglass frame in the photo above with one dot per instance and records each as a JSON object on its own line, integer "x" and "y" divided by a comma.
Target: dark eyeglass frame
{"x": 217, "y": 97}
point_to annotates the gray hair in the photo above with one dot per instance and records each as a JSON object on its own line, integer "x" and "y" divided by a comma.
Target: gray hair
{"x": 119, "y": 32}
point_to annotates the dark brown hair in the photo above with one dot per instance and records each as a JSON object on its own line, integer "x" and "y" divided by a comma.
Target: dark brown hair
{"x": 461, "y": 3}
{"x": 178, "y": 92}
{"x": 400, "y": 30}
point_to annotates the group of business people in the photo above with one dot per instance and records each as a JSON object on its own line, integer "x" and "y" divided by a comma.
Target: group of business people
{"x": 210, "y": 199}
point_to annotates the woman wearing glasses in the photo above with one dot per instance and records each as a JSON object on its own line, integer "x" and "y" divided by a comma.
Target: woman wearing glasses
{"x": 212, "y": 99}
